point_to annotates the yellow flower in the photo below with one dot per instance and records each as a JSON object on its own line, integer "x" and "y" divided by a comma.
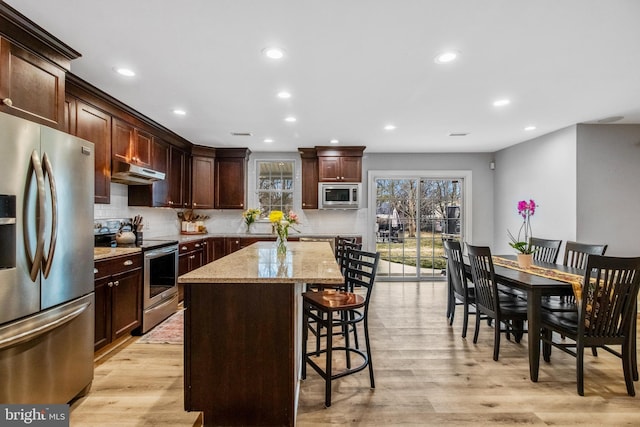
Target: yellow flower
{"x": 276, "y": 216}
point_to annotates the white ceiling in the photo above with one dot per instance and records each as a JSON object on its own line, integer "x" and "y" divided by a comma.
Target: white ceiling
{"x": 354, "y": 66}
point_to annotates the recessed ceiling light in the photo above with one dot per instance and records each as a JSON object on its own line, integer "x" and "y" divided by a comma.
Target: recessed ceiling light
{"x": 445, "y": 57}
{"x": 458, "y": 133}
{"x": 268, "y": 140}
{"x": 501, "y": 102}
{"x": 389, "y": 127}
{"x": 127, "y": 72}
{"x": 334, "y": 141}
{"x": 273, "y": 52}
{"x": 290, "y": 119}
{"x": 528, "y": 128}
{"x": 284, "y": 94}
{"x": 179, "y": 112}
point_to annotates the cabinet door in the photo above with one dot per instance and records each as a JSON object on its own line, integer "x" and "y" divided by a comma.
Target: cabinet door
{"x": 202, "y": 182}
{"x": 351, "y": 169}
{"x": 31, "y": 87}
{"x": 219, "y": 249}
{"x": 309, "y": 183}
{"x": 102, "y": 334}
{"x": 95, "y": 126}
{"x": 126, "y": 309}
{"x": 122, "y": 135}
{"x": 176, "y": 176}
{"x": 160, "y": 162}
{"x": 230, "y": 183}
{"x": 232, "y": 245}
{"x": 329, "y": 169}
{"x": 143, "y": 142}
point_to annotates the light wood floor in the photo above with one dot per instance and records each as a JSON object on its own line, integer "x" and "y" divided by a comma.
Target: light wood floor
{"x": 426, "y": 374}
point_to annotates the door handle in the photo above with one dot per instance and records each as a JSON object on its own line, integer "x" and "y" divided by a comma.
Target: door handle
{"x": 34, "y": 262}
{"x": 48, "y": 173}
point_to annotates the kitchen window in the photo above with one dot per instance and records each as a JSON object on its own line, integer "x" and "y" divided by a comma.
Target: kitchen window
{"x": 275, "y": 186}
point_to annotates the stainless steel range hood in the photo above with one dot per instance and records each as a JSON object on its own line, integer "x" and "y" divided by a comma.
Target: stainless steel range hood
{"x": 130, "y": 174}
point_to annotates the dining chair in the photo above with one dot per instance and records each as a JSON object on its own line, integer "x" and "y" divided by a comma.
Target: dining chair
{"x": 344, "y": 310}
{"x": 605, "y": 316}
{"x": 511, "y": 313}
{"x": 576, "y": 254}
{"x": 545, "y": 250}
{"x": 460, "y": 289}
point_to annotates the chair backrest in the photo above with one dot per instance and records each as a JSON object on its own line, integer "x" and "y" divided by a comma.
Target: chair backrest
{"x": 608, "y": 302}
{"x": 483, "y": 276}
{"x": 545, "y": 250}
{"x": 361, "y": 271}
{"x": 576, "y": 254}
{"x": 343, "y": 245}
{"x": 455, "y": 266}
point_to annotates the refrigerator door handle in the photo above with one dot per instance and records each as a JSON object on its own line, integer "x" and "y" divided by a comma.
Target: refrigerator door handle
{"x": 48, "y": 259}
{"x": 34, "y": 262}
{"x": 31, "y": 332}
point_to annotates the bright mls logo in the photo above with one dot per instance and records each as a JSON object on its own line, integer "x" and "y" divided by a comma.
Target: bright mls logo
{"x": 34, "y": 415}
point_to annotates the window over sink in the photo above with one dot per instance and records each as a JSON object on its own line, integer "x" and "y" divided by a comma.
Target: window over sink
{"x": 275, "y": 185}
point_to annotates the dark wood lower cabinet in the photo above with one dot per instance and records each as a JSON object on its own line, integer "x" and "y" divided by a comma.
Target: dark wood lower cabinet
{"x": 240, "y": 353}
{"x": 118, "y": 296}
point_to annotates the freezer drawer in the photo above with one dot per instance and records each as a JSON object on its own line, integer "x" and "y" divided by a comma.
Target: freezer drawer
{"x": 48, "y": 358}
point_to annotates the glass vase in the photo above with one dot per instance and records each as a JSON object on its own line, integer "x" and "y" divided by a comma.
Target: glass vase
{"x": 281, "y": 245}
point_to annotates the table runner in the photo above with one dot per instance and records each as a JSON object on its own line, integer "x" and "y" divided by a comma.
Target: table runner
{"x": 574, "y": 279}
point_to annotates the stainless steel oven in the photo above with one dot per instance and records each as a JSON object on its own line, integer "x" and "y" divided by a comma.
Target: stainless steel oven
{"x": 160, "y": 287}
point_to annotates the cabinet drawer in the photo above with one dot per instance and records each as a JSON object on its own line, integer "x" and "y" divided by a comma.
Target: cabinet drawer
{"x": 193, "y": 245}
{"x": 110, "y": 266}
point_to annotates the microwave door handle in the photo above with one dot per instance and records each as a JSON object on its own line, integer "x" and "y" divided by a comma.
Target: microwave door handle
{"x": 47, "y": 260}
{"x": 34, "y": 262}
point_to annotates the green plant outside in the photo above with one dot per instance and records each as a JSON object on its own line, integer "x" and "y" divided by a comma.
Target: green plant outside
{"x": 405, "y": 252}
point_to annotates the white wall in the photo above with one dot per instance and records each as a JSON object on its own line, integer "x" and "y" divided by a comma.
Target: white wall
{"x": 542, "y": 169}
{"x": 608, "y": 194}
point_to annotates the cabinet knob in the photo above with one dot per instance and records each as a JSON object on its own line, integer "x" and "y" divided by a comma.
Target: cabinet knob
{"x": 192, "y": 257}
{"x": 95, "y": 271}
{"x": 170, "y": 202}
{"x": 8, "y": 102}
{"x": 197, "y": 245}
{"x": 116, "y": 283}
{"x": 195, "y": 204}
{"x": 110, "y": 284}
{"x": 128, "y": 262}
{"x": 184, "y": 248}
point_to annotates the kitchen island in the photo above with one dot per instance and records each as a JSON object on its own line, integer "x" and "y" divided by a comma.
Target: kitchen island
{"x": 243, "y": 331}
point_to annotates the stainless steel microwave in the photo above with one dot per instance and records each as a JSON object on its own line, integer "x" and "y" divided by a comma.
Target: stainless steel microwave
{"x": 339, "y": 195}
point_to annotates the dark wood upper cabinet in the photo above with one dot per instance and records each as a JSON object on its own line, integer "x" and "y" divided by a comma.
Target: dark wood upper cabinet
{"x": 179, "y": 178}
{"x": 94, "y": 125}
{"x": 309, "y": 178}
{"x": 31, "y": 87}
{"x": 202, "y": 177}
{"x": 340, "y": 164}
{"x": 130, "y": 144}
{"x": 230, "y": 177}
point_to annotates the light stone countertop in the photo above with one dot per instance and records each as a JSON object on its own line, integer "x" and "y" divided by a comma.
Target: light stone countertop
{"x": 103, "y": 253}
{"x": 304, "y": 262}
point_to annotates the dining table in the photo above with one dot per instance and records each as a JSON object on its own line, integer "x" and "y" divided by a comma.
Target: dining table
{"x": 535, "y": 287}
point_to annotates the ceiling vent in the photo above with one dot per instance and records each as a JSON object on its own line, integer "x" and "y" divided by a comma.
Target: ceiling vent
{"x": 459, "y": 134}
{"x": 241, "y": 134}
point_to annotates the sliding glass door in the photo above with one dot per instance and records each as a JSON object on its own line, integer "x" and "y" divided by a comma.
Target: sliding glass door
{"x": 413, "y": 216}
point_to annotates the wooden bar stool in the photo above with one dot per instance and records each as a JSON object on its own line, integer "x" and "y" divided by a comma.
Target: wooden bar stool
{"x": 345, "y": 310}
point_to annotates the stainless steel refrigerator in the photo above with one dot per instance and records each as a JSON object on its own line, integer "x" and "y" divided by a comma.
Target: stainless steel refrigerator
{"x": 46, "y": 263}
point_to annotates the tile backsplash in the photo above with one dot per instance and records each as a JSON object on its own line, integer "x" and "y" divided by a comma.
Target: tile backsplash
{"x": 164, "y": 221}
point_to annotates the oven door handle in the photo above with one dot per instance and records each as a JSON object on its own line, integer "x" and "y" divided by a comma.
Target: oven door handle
{"x": 155, "y": 253}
